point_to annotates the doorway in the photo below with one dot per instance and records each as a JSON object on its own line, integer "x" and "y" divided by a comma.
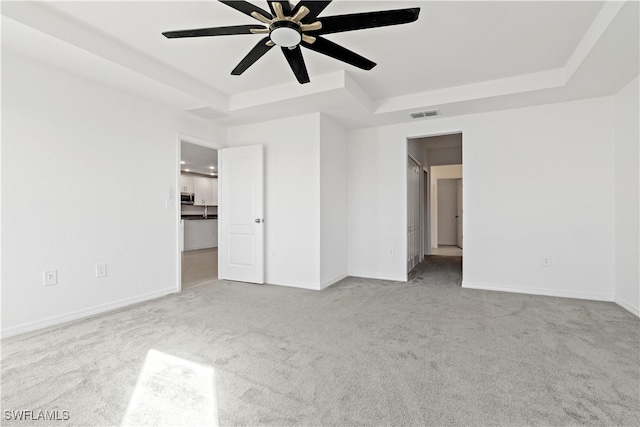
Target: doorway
{"x": 449, "y": 218}
{"x": 441, "y": 234}
{"x": 446, "y": 210}
{"x": 197, "y": 213}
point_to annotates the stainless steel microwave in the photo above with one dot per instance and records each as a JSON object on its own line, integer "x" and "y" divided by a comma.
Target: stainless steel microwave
{"x": 187, "y": 198}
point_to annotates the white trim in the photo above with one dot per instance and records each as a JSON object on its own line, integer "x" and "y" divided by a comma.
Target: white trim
{"x": 545, "y": 292}
{"x": 333, "y": 281}
{"x": 378, "y": 277}
{"x": 82, "y": 313}
{"x": 633, "y": 310}
{"x": 411, "y": 155}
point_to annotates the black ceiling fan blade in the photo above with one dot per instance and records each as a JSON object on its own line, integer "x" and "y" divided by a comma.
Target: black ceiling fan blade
{"x": 246, "y": 7}
{"x": 296, "y": 62}
{"x": 217, "y": 31}
{"x": 329, "y": 48}
{"x": 361, "y": 21}
{"x": 286, "y": 7}
{"x": 256, "y": 53}
{"x": 315, "y": 8}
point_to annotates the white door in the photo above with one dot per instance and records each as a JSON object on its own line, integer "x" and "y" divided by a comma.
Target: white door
{"x": 241, "y": 214}
{"x": 459, "y": 212}
{"x": 413, "y": 214}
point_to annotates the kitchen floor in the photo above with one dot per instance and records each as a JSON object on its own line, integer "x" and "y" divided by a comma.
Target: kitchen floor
{"x": 199, "y": 267}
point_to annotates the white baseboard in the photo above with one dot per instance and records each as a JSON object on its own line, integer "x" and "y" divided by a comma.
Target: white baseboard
{"x": 78, "y": 314}
{"x": 333, "y": 281}
{"x": 633, "y": 310}
{"x": 377, "y": 277}
{"x": 538, "y": 291}
{"x": 299, "y": 285}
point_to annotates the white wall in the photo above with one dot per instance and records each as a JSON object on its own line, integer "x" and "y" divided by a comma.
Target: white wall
{"x": 86, "y": 173}
{"x": 627, "y": 159}
{"x": 377, "y": 204}
{"x": 447, "y": 210}
{"x": 292, "y": 196}
{"x": 333, "y": 202}
{"x": 418, "y": 150}
{"x": 445, "y": 156}
{"x": 538, "y": 181}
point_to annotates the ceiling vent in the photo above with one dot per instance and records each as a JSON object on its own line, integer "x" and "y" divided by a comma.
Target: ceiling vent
{"x": 206, "y": 112}
{"x": 421, "y": 114}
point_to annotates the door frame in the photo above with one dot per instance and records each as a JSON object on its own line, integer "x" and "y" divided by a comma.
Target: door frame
{"x": 180, "y": 138}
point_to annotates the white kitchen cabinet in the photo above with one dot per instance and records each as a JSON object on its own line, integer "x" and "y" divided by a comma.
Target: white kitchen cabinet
{"x": 186, "y": 184}
{"x": 202, "y": 191}
{"x": 200, "y": 234}
{"x": 205, "y": 191}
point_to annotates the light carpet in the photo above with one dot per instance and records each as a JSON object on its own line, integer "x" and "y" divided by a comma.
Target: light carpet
{"x": 362, "y": 352}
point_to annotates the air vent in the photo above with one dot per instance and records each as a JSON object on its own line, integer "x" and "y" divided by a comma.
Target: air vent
{"x": 206, "y": 112}
{"x": 421, "y": 114}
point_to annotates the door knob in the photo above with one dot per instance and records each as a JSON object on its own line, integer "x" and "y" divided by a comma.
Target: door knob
{"x": 258, "y": 220}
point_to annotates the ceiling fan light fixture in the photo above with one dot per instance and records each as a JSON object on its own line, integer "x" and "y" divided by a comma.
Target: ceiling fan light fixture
{"x": 285, "y": 33}
{"x": 285, "y": 28}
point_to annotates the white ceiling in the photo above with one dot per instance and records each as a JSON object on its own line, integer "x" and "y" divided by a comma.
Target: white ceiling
{"x": 459, "y": 56}
{"x": 198, "y": 159}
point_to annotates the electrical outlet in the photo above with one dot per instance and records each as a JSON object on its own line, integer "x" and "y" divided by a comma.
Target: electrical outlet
{"x": 101, "y": 270}
{"x": 390, "y": 252}
{"x": 169, "y": 205}
{"x": 546, "y": 261}
{"x": 50, "y": 277}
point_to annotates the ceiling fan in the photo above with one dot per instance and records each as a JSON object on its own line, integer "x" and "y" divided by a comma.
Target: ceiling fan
{"x": 291, "y": 27}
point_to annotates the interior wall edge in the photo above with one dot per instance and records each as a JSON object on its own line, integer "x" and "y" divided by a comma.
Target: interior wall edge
{"x": 296, "y": 284}
{"x": 379, "y": 277}
{"x": 633, "y": 310}
{"x": 333, "y": 281}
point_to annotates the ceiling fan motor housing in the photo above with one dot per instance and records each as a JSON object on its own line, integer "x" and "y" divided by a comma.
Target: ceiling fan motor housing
{"x": 285, "y": 33}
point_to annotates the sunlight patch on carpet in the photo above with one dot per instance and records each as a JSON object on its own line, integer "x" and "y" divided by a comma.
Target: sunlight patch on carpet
{"x": 172, "y": 391}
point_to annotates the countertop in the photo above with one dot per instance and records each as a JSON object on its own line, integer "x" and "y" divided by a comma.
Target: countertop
{"x": 190, "y": 217}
